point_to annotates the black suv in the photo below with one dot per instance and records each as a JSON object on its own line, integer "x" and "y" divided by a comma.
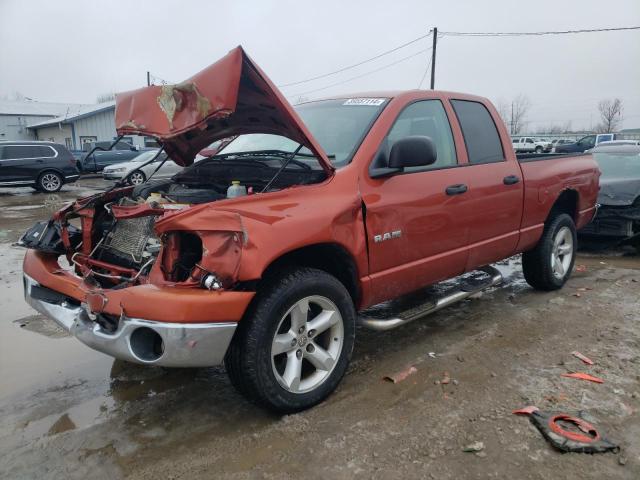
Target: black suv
{"x": 45, "y": 166}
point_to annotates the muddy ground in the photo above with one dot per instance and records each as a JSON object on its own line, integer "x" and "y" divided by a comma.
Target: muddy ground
{"x": 69, "y": 412}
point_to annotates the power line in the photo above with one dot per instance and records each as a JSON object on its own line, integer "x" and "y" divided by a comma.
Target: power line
{"x": 523, "y": 34}
{"x": 349, "y": 67}
{"x": 426, "y": 70}
{"x": 362, "y": 75}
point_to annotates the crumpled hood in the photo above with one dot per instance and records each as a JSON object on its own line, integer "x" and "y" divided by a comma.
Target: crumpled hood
{"x": 231, "y": 97}
{"x": 619, "y": 191}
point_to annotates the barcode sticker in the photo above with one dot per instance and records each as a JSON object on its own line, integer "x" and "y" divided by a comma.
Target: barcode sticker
{"x": 365, "y": 101}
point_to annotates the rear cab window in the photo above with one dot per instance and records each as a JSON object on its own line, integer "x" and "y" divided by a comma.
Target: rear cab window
{"x": 479, "y": 131}
{"x": 426, "y": 118}
{"x": 18, "y": 152}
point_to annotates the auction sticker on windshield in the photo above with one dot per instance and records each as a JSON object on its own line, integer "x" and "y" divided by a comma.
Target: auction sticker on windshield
{"x": 365, "y": 101}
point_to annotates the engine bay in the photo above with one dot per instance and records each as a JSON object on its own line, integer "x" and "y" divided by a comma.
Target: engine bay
{"x": 111, "y": 239}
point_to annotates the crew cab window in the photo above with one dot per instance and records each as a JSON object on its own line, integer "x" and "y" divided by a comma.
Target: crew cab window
{"x": 479, "y": 131}
{"x": 426, "y": 118}
{"x": 529, "y": 140}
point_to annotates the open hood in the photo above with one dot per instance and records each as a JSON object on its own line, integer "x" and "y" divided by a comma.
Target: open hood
{"x": 231, "y": 97}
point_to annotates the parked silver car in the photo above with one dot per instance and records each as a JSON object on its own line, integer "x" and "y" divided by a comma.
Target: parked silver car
{"x": 136, "y": 174}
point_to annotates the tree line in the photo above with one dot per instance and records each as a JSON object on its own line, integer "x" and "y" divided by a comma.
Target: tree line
{"x": 514, "y": 114}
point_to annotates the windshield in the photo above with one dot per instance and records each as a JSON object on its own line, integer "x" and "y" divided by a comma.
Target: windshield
{"x": 618, "y": 165}
{"x": 338, "y": 125}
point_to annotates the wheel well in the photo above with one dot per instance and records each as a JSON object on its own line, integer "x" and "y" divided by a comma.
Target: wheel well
{"x": 567, "y": 203}
{"x": 331, "y": 258}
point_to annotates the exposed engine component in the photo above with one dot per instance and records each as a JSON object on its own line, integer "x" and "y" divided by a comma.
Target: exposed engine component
{"x": 127, "y": 242}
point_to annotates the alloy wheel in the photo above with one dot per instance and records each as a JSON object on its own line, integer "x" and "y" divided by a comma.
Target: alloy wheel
{"x": 562, "y": 253}
{"x": 136, "y": 178}
{"x": 50, "y": 182}
{"x": 307, "y": 344}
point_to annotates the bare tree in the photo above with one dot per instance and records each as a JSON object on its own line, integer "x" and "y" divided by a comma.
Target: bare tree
{"x": 504, "y": 110}
{"x": 611, "y": 115}
{"x": 105, "y": 97}
{"x": 519, "y": 108}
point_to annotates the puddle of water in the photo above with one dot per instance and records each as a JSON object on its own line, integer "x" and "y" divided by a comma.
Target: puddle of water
{"x": 28, "y": 358}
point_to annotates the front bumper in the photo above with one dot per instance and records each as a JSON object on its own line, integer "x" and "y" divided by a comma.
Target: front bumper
{"x": 138, "y": 340}
{"x": 112, "y": 175}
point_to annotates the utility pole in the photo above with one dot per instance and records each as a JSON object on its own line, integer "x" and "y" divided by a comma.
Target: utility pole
{"x": 148, "y": 78}
{"x": 433, "y": 57}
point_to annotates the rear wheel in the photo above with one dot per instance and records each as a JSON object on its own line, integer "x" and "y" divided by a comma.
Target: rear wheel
{"x": 293, "y": 348}
{"x": 136, "y": 178}
{"x": 549, "y": 264}
{"x": 49, "y": 182}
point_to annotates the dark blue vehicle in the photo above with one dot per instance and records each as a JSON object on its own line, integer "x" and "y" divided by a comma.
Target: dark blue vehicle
{"x": 121, "y": 152}
{"x": 45, "y": 166}
{"x": 586, "y": 143}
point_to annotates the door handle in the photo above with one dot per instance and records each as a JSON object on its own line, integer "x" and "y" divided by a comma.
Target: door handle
{"x": 510, "y": 179}
{"x": 456, "y": 189}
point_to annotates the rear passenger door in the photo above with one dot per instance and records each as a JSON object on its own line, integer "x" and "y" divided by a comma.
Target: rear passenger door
{"x": 495, "y": 186}
{"x": 20, "y": 163}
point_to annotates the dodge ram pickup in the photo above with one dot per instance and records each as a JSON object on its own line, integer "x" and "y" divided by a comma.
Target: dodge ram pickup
{"x": 265, "y": 256}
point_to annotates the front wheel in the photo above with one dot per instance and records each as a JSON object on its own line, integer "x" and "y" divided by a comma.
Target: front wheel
{"x": 293, "y": 348}
{"x": 539, "y": 149}
{"x": 549, "y": 265}
{"x": 136, "y": 178}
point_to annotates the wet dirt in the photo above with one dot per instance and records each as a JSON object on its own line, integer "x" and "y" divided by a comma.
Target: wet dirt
{"x": 69, "y": 412}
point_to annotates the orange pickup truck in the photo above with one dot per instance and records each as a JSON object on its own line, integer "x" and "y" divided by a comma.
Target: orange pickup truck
{"x": 266, "y": 255}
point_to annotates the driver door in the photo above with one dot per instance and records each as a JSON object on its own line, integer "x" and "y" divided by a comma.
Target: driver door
{"x": 417, "y": 224}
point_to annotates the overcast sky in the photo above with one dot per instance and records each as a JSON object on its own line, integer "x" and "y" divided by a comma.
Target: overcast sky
{"x": 74, "y": 50}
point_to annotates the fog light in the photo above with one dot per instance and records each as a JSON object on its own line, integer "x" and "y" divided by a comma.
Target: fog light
{"x": 211, "y": 282}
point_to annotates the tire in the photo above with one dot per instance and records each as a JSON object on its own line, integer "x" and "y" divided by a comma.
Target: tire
{"x": 136, "y": 178}
{"x": 548, "y": 266}
{"x": 49, "y": 182}
{"x": 539, "y": 149}
{"x": 277, "y": 359}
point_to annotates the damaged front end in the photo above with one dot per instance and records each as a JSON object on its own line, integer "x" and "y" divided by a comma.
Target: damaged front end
{"x": 149, "y": 274}
{"x": 131, "y": 278}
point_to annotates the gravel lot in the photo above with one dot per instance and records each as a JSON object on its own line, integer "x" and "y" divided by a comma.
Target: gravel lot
{"x": 69, "y": 412}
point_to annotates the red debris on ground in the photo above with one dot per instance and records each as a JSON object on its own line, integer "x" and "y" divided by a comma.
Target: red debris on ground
{"x": 586, "y": 360}
{"x": 583, "y": 376}
{"x": 581, "y": 268}
{"x": 526, "y": 410}
{"x": 400, "y": 376}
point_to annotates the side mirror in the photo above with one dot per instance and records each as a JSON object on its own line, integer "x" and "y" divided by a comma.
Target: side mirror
{"x": 412, "y": 151}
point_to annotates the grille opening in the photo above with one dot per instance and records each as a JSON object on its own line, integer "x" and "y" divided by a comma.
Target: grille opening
{"x": 146, "y": 344}
{"x": 189, "y": 253}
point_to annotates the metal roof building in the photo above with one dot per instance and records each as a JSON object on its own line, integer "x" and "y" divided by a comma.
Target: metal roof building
{"x": 68, "y": 124}
{"x": 16, "y": 116}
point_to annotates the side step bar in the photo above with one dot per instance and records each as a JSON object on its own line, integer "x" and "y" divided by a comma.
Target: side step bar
{"x": 465, "y": 290}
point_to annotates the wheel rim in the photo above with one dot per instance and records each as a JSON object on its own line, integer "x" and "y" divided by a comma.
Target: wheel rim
{"x": 562, "y": 253}
{"x": 136, "y": 178}
{"x": 307, "y": 344}
{"x": 50, "y": 182}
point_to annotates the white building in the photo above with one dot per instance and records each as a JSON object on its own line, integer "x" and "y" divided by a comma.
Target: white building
{"x": 86, "y": 124}
{"x": 16, "y": 116}
{"x": 71, "y": 125}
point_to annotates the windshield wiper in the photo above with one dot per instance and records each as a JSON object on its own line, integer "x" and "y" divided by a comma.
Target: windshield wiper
{"x": 269, "y": 153}
{"x": 284, "y": 165}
